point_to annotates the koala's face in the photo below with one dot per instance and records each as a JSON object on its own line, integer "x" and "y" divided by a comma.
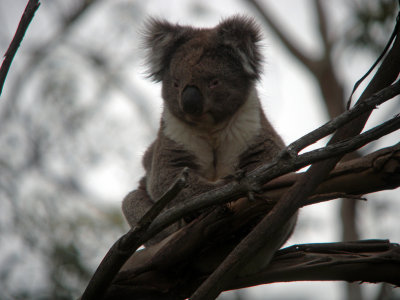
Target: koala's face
{"x": 206, "y": 74}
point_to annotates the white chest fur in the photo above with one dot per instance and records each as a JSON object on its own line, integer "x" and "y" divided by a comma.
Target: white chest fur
{"x": 218, "y": 150}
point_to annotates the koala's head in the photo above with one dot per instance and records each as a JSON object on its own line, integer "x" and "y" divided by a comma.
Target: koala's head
{"x": 206, "y": 74}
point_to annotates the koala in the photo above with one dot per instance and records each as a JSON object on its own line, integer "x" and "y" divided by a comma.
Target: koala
{"x": 212, "y": 121}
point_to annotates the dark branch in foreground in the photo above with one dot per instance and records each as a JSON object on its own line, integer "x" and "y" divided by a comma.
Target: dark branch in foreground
{"x": 365, "y": 261}
{"x": 124, "y": 247}
{"x": 26, "y": 19}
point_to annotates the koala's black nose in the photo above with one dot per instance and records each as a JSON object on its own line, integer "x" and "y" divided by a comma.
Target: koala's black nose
{"x": 192, "y": 100}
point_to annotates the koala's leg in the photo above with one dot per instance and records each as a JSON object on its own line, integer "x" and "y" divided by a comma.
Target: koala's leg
{"x": 135, "y": 205}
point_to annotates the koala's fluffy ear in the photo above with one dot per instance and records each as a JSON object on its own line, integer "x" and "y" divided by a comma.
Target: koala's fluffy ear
{"x": 242, "y": 34}
{"x": 161, "y": 40}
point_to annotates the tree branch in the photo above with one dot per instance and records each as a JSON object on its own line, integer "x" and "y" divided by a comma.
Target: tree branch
{"x": 303, "y": 188}
{"x": 366, "y": 261}
{"x": 374, "y": 172}
{"x": 26, "y": 19}
{"x": 125, "y": 246}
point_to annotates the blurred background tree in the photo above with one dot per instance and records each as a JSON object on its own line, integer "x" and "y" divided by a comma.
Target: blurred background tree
{"x": 77, "y": 113}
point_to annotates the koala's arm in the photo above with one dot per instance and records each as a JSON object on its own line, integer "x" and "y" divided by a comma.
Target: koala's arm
{"x": 163, "y": 162}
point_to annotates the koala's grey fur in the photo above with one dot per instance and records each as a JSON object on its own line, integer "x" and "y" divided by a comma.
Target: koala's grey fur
{"x": 212, "y": 120}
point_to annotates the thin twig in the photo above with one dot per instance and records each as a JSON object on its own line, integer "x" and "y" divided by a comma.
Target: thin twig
{"x": 348, "y": 145}
{"x": 330, "y": 127}
{"x": 26, "y": 19}
{"x": 330, "y": 196}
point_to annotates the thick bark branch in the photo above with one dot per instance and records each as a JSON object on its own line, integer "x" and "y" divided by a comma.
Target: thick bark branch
{"x": 365, "y": 261}
{"x": 377, "y": 171}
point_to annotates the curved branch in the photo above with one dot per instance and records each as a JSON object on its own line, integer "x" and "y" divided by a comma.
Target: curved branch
{"x": 40, "y": 55}
{"x": 26, "y": 19}
{"x": 366, "y": 261}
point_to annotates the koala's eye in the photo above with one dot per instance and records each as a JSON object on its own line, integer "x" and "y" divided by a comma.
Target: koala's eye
{"x": 213, "y": 83}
